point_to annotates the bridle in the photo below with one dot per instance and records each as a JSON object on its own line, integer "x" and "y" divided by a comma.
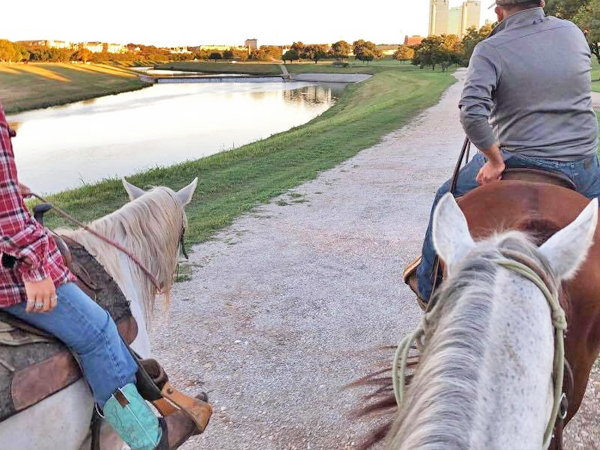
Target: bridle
{"x": 530, "y": 270}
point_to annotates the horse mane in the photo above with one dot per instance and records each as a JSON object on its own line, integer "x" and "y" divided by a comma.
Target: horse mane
{"x": 149, "y": 227}
{"x": 452, "y": 354}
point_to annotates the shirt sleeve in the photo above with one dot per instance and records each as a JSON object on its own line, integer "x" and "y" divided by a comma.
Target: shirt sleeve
{"x": 477, "y": 99}
{"x": 20, "y": 235}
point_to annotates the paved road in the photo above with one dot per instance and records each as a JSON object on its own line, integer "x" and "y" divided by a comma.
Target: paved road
{"x": 289, "y": 304}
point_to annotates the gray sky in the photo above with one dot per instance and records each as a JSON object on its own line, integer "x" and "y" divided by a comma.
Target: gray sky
{"x": 188, "y": 22}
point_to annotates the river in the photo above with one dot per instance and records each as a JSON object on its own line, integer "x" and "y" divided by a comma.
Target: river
{"x": 65, "y": 147}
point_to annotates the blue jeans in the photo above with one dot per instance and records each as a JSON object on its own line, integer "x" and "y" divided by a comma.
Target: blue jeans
{"x": 89, "y": 331}
{"x": 585, "y": 174}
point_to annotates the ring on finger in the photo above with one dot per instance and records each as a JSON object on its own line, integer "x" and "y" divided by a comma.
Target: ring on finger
{"x": 39, "y": 305}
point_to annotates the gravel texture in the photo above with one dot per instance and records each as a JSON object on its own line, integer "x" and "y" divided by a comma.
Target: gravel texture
{"x": 291, "y": 303}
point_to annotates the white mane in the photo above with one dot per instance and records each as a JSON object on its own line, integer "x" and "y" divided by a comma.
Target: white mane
{"x": 149, "y": 227}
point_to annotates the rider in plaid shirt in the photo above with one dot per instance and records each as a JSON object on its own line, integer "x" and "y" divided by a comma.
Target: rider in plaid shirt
{"x": 25, "y": 239}
{"x": 39, "y": 290}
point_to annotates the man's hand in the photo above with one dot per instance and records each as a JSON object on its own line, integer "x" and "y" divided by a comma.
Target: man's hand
{"x": 491, "y": 170}
{"x": 41, "y": 296}
{"x": 490, "y": 173}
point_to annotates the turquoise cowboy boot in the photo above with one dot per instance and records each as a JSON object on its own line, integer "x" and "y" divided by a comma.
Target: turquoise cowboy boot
{"x": 131, "y": 417}
{"x": 133, "y": 420}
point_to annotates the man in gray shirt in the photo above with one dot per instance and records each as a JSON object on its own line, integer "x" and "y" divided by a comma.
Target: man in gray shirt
{"x": 526, "y": 103}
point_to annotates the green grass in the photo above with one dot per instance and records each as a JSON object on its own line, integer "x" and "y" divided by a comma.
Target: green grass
{"x": 233, "y": 182}
{"x": 30, "y": 86}
{"x": 223, "y": 67}
{"x": 595, "y": 74}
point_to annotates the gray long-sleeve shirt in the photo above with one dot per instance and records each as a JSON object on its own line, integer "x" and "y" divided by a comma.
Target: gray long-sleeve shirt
{"x": 528, "y": 89}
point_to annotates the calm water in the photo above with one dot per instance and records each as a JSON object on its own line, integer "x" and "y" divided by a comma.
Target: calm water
{"x": 65, "y": 147}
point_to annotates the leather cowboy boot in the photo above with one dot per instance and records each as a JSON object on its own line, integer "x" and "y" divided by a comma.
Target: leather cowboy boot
{"x": 135, "y": 422}
{"x": 410, "y": 278}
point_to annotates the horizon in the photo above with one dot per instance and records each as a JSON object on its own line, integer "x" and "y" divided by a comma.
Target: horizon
{"x": 402, "y": 18}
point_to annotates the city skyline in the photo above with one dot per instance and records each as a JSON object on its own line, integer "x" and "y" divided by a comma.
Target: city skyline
{"x": 194, "y": 24}
{"x": 456, "y": 20}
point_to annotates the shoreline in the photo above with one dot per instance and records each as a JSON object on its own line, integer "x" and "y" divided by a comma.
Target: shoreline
{"x": 236, "y": 181}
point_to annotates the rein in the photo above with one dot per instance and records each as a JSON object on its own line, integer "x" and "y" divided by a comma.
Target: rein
{"x": 118, "y": 246}
{"x": 523, "y": 266}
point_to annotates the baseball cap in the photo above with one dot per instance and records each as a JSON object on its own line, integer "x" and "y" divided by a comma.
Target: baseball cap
{"x": 508, "y": 2}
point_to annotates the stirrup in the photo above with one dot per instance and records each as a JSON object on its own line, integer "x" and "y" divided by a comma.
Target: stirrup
{"x": 411, "y": 269}
{"x": 170, "y": 400}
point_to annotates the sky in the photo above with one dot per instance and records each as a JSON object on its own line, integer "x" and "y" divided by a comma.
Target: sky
{"x": 228, "y": 22}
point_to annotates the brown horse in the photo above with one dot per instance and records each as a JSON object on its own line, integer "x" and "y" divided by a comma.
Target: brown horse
{"x": 540, "y": 210}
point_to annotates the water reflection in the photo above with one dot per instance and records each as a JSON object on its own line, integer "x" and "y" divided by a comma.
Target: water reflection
{"x": 63, "y": 147}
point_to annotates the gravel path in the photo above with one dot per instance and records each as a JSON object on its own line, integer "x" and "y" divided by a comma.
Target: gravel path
{"x": 289, "y": 304}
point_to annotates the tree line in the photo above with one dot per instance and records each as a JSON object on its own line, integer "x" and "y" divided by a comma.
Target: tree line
{"x": 443, "y": 51}
{"x": 362, "y": 50}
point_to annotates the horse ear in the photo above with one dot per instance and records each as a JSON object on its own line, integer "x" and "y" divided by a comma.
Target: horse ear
{"x": 133, "y": 191}
{"x": 451, "y": 237}
{"x": 185, "y": 195}
{"x": 568, "y": 248}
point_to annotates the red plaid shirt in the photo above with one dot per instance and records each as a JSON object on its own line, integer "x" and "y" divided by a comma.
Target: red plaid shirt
{"x": 21, "y": 236}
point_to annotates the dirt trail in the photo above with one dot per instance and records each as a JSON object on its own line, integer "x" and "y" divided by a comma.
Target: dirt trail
{"x": 287, "y": 305}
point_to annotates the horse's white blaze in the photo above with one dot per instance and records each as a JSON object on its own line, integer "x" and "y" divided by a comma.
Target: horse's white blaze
{"x": 150, "y": 227}
{"x": 485, "y": 378}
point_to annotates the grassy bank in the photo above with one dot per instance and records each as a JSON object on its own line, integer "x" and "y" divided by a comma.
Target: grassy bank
{"x": 595, "y": 74}
{"x": 30, "y": 86}
{"x": 233, "y": 182}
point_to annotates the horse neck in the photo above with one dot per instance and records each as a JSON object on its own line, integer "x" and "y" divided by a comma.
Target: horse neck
{"x": 485, "y": 376}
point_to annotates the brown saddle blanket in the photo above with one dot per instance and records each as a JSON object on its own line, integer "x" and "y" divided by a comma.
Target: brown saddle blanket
{"x": 34, "y": 365}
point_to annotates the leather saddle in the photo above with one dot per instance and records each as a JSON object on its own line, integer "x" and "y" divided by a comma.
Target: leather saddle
{"x": 33, "y": 364}
{"x": 539, "y": 176}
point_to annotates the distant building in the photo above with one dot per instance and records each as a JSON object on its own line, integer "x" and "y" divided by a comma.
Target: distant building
{"x": 94, "y": 47}
{"x": 179, "y": 50}
{"x": 48, "y": 43}
{"x": 413, "y": 41}
{"x": 455, "y": 20}
{"x": 116, "y": 48}
{"x": 388, "y": 49}
{"x": 215, "y": 48}
{"x": 438, "y": 17}
{"x": 59, "y": 44}
{"x": 251, "y": 44}
{"x": 471, "y": 16}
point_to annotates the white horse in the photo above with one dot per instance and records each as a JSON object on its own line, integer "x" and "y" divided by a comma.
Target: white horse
{"x": 150, "y": 227}
{"x": 484, "y": 380}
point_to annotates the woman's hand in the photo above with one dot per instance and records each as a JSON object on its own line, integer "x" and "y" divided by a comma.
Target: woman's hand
{"x": 41, "y": 296}
{"x": 25, "y": 191}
